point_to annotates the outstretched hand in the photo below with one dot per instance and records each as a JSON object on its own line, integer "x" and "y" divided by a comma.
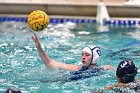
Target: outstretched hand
{"x": 108, "y": 67}
{"x": 36, "y": 40}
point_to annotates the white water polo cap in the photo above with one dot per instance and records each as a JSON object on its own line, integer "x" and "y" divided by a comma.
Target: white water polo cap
{"x": 95, "y": 51}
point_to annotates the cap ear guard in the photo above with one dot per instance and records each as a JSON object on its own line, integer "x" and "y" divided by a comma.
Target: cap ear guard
{"x": 96, "y": 52}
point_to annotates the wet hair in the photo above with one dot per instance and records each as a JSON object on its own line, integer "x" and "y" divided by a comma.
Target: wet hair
{"x": 126, "y": 71}
{"x": 13, "y": 90}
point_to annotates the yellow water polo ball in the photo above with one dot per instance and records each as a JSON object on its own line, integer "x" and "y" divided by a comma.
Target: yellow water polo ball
{"x": 38, "y": 20}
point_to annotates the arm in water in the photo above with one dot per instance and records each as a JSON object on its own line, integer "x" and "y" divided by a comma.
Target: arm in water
{"x": 48, "y": 61}
{"x": 112, "y": 88}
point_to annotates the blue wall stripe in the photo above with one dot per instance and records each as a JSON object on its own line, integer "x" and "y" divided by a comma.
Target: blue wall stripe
{"x": 62, "y": 20}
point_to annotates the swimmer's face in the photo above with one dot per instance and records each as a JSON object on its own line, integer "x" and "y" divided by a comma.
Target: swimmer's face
{"x": 86, "y": 58}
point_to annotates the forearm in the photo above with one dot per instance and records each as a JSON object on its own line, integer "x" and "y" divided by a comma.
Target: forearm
{"x": 111, "y": 87}
{"x": 44, "y": 57}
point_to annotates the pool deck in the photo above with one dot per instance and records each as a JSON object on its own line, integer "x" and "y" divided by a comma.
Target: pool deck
{"x": 82, "y": 8}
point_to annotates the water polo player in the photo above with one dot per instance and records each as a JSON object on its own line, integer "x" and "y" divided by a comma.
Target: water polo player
{"x": 90, "y": 57}
{"x": 125, "y": 75}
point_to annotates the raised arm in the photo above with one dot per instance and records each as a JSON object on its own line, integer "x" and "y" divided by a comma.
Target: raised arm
{"x": 48, "y": 61}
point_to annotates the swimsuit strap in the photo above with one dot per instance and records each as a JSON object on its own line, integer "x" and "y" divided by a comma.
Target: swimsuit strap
{"x": 83, "y": 68}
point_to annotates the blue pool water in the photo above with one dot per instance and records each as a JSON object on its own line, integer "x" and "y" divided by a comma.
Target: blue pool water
{"x": 21, "y": 67}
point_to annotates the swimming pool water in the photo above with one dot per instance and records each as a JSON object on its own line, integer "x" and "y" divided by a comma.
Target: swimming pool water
{"x": 21, "y": 67}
